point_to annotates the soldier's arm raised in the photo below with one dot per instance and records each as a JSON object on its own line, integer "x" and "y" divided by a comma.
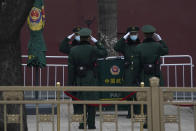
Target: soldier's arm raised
{"x": 164, "y": 48}
{"x": 100, "y": 50}
{"x": 120, "y": 45}
{"x": 65, "y": 46}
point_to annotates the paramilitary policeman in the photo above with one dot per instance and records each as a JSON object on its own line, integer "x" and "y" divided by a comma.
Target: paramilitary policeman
{"x": 81, "y": 64}
{"x": 149, "y": 52}
{"x": 127, "y": 46}
{"x": 65, "y": 47}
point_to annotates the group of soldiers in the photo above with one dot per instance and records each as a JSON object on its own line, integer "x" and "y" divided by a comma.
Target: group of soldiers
{"x": 141, "y": 61}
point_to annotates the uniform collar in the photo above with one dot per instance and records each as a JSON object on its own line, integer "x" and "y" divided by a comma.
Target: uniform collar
{"x": 149, "y": 40}
{"x": 84, "y": 43}
{"x": 75, "y": 42}
{"x": 131, "y": 42}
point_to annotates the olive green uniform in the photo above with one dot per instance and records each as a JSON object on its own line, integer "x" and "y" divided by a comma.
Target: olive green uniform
{"x": 128, "y": 49}
{"x": 150, "y": 52}
{"x": 83, "y": 57}
{"x": 131, "y": 71}
{"x": 65, "y": 45}
{"x": 65, "y": 48}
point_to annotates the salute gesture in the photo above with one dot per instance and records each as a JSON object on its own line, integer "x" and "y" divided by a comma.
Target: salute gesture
{"x": 70, "y": 36}
{"x": 93, "y": 39}
{"x": 156, "y": 37}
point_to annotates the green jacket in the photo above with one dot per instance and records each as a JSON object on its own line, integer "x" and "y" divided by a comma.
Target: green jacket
{"x": 128, "y": 49}
{"x": 84, "y": 55}
{"x": 149, "y": 53}
{"x": 65, "y": 45}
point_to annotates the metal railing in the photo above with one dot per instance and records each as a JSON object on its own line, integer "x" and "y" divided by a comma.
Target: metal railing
{"x": 10, "y": 118}
{"x": 181, "y": 67}
{"x": 58, "y": 72}
{"x": 154, "y": 97}
{"x": 175, "y": 65}
{"x": 51, "y": 76}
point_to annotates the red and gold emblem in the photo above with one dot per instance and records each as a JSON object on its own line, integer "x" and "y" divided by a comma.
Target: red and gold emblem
{"x": 36, "y": 19}
{"x": 115, "y": 70}
{"x": 35, "y": 14}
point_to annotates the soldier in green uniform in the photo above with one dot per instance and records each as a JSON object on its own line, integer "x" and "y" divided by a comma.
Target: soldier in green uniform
{"x": 127, "y": 46}
{"x": 65, "y": 47}
{"x": 149, "y": 52}
{"x": 81, "y": 64}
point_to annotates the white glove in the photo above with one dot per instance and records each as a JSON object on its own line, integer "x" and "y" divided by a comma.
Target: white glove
{"x": 93, "y": 39}
{"x": 157, "y": 37}
{"x": 126, "y": 36}
{"x": 70, "y": 36}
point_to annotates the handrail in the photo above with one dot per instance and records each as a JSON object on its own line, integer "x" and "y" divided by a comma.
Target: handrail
{"x": 72, "y": 88}
{"x": 65, "y": 65}
{"x": 68, "y": 102}
{"x": 92, "y": 88}
{"x": 122, "y": 57}
{"x": 177, "y": 56}
{"x": 26, "y": 56}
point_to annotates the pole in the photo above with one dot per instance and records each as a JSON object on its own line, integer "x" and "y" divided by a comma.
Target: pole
{"x": 58, "y": 107}
{"x": 142, "y": 110}
{"x": 155, "y": 92}
{"x": 36, "y": 81}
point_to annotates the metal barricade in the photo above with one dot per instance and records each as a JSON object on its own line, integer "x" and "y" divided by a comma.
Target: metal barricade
{"x": 171, "y": 69}
{"x": 179, "y": 69}
{"x": 48, "y": 76}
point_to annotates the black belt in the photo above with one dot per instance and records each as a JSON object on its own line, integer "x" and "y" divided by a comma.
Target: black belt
{"x": 82, "y": 69}
{"x": 149, "y": 68}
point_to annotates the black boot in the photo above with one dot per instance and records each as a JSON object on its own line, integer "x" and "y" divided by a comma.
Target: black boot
{"x": 145, "y": 126}
{"x": 129, "y": 113}
{"x": 129, "y": 116}
{"x": 91, "y": 127}
{"x": 81, "y": 126}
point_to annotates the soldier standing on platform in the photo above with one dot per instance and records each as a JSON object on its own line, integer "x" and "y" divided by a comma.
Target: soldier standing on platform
{"x": 81, "y": 64}
{"x": 127, "y": 46}
{"x": 149, "y": 52}
{"x": 65, "y": 48}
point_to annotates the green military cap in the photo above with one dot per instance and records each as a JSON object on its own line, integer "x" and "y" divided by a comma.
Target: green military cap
{"x": 76, "y": 29}
{"x": 148, "y": 29}
{"x": 85, "y": 32}
{"x": 133, "y": 29}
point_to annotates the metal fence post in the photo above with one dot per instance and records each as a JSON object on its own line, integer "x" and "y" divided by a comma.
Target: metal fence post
{"x": 58, "y": 107}
{"x": 154, "y": 83}
{"x": 142, "y": 110}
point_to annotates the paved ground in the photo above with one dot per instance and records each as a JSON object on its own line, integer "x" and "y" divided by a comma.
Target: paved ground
{"x": 124, "y": 124}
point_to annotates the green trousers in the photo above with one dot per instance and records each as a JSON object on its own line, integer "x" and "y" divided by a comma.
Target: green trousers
{"x": 90, "y": 112}
{"x": 136, "y": 108}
